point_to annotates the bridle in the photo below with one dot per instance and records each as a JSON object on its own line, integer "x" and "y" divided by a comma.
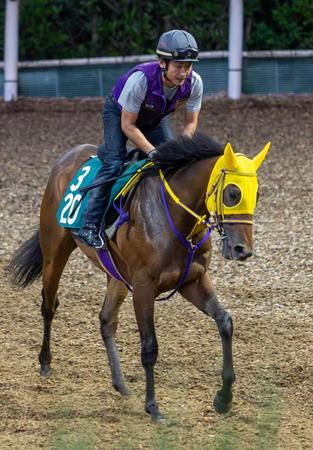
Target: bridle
{"x": 209, "y": 221}
{"x": 217, "y": 190}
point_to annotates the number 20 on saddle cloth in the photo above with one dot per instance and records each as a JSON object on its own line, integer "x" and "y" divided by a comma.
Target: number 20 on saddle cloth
{"x": 75, "y": 200}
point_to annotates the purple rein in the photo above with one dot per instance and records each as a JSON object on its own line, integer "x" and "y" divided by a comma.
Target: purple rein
{"x": 192, "y": 248}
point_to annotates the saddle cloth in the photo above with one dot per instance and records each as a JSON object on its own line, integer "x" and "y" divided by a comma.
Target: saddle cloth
{"x": 74, "y": 202}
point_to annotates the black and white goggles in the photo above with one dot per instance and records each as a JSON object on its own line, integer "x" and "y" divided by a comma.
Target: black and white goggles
{"x": 185, "y": 54}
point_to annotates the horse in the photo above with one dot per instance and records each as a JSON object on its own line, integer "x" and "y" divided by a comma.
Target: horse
{"x": 197, "y": 186}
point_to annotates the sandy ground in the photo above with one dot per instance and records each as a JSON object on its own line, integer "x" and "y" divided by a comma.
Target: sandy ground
{"x": 269, "y": 297}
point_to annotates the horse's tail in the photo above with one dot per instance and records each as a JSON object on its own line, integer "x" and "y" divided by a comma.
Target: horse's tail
{"x": 26, "y": 264}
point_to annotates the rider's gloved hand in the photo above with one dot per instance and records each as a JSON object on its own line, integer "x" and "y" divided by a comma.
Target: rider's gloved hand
{"x": 153, "y": 154}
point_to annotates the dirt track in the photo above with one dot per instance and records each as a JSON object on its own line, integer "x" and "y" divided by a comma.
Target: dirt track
{"x": 269, "y": 296}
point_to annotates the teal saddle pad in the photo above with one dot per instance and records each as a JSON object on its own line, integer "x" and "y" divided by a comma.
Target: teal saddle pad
{"x": 74, "y": 202}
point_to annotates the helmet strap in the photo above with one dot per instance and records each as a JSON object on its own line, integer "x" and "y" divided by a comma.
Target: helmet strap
{"x": 164, "y": 72}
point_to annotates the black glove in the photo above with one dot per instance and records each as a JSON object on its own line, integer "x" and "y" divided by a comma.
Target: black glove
{"x": 153, "y": 154}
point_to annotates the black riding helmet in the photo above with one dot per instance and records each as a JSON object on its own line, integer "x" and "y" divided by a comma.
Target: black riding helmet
{"x": 177, "y": 45}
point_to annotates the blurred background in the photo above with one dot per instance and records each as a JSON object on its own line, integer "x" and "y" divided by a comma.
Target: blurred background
{"x": 95, "y": 34}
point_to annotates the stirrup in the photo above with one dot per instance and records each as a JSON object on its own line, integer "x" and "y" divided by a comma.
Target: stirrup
{"x": 104, "y": 242}
{"x": 84, "y": 239}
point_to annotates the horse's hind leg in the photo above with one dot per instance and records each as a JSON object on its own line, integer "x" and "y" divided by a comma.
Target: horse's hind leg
{"x": 56, "y": 249}
{"x": 116, "y": 294}
{"x": 202, "y": 295}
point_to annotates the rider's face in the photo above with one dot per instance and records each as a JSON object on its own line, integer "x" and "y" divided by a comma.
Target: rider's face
{"x": 177, "y": 72}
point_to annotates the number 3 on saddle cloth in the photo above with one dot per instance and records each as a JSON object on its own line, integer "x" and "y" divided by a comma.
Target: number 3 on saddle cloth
{"x": 75, "y": 201}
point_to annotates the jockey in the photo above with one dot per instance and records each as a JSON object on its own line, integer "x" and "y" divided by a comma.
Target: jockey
{"x": 138, "y": 109}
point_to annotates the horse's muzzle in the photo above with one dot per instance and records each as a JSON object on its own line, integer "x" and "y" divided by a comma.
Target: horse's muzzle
{"x": 235, "y": 251}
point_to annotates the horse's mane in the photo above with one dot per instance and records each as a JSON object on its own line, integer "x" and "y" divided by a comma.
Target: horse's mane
{"x": 182, "y": 150}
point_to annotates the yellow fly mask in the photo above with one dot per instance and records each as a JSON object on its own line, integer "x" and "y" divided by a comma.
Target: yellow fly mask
{"x": 240, "y": 171}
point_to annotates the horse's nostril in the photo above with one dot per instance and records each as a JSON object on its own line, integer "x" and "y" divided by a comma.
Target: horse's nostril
{"x": 242, "y": 250}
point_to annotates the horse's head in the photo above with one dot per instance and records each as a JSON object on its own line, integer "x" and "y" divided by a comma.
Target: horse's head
{"x": 231, "y": 200}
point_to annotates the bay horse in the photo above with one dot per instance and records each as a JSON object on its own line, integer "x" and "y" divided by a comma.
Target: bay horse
{"x": 165, "y": 245}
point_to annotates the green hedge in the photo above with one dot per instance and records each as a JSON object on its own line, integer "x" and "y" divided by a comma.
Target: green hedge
{"x": 89, "y": 28}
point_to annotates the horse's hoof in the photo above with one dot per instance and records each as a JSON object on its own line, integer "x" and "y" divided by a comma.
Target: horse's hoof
{"x": 154, "y": 412}
{"x": 123, "y": 390}
{"x": 45, "y": 371}
{"x": 220, "y": 405}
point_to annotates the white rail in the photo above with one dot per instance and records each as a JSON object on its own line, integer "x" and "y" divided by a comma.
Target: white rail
{"x": 145, "y": 58}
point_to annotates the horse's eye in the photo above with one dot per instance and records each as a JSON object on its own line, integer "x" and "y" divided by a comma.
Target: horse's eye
{"x": 231, "y": 195}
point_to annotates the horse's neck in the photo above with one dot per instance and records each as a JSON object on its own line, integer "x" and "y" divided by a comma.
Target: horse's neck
{"x": 190, "y": 184}
{"x": 192, "y": 181}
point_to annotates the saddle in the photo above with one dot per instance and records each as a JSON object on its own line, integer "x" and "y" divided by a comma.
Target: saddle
{"x": 75, "y": 198}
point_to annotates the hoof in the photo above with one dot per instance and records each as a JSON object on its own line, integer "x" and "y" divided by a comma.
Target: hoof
{"x": 45, "y": 371}
{"x": 122, "y": 389}
{"x": 220, "y": 405}
{"x": 153, "y": 409}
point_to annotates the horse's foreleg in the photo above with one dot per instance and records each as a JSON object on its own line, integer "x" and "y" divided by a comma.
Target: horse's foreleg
{"x": 54, "y": 263}
{"x": 223, "y": 398}
{"x": 116, "y": 293}
{"x": 144, "y": 309}
{"x": 202, "y": 295}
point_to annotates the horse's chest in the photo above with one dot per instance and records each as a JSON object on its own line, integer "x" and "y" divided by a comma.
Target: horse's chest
{"x": 170, "y": 277}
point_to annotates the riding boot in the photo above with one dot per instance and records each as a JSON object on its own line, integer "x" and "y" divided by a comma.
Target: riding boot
{"x": 90, "y": 232}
